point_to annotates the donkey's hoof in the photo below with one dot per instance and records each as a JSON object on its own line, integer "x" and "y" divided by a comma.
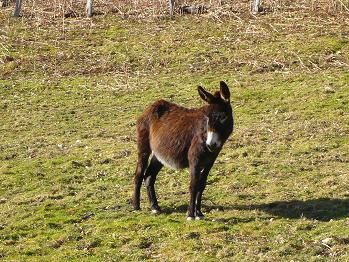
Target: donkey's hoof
{"x": 198, "y": 213}
{"x": 155, "y": 211}
{"x": 199, "y": 217}
{"x": 190, "y": 218}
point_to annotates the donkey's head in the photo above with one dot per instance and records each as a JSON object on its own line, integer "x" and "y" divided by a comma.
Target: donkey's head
{"x": 219, "y": 116}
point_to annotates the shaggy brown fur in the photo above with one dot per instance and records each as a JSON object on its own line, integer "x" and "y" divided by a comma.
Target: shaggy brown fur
{"x": 177, "y": 137}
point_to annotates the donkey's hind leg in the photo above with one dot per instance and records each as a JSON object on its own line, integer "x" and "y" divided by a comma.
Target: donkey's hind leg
{"x": 150, "y": 176}
{"x": 143, "y": 147}
{"x": 138, "y": 178}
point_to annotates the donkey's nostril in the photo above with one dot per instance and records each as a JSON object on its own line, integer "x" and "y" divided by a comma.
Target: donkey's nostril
{"x": 212, "y": 147}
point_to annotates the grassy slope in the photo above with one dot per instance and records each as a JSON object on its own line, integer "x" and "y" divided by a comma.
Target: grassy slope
{"x": 68, "y": 103}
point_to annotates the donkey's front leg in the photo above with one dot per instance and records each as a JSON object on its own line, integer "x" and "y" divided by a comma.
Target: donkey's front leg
{"x": 193, "y": 189}
{"x": 202, "y": 185}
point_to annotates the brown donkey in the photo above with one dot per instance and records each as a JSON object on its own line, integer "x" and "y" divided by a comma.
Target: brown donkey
{"x": 178, "y": 137}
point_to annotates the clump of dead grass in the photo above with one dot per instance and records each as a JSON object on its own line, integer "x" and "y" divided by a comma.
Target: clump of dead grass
{"x": 140, "y": 9}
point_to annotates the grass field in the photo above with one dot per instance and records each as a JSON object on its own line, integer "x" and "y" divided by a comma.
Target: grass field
{"x": 70, "y": 93}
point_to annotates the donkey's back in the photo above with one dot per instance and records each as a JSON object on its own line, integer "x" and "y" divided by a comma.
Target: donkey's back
{"x": 169, "y": 129}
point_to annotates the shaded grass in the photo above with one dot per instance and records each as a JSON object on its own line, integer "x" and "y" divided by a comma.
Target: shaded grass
{"x": 69, "y": 103}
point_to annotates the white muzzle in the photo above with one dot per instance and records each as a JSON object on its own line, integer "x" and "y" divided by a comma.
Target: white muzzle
{"x": 212, "y": 140}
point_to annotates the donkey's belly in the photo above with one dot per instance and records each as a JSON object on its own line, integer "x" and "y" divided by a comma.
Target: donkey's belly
{"x": 170, "y": 142}
{"x": 174, "y": 162}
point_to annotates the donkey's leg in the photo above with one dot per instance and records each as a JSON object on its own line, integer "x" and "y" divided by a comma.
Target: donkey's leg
{"x": 138, "y": 178}
{"x": 150, "y": 178}
{"x": 144, "y": 151}
{"x": 202, "y": 185}
{"x": 193, "y": 188}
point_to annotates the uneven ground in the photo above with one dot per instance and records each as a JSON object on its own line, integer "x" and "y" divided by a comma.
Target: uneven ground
{"x": 70, "y": 92}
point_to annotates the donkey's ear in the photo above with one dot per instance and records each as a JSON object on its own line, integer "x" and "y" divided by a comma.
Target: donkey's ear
{"x": 208, "y": 97}
{"x": 224, "y": 91}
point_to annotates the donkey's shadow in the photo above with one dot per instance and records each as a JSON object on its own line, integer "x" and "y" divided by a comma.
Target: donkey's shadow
{"x": 322, "y": 209}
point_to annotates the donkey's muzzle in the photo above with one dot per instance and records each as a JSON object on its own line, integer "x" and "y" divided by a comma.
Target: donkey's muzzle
{"x": 211, "y": 148}
{"x": 212, "y": 141}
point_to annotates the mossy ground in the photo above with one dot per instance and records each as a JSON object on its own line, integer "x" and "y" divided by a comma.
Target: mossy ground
{"x": 69, "y": 99}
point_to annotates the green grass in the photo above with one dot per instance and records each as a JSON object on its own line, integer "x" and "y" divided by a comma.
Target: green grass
{"x": 69, "y": 100}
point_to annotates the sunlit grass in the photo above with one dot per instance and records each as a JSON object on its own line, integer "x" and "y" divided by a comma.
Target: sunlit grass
{"x": 68, "y": 106}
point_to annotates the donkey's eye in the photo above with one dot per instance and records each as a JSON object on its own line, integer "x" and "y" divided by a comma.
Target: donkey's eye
{"x": 223, "y": 118}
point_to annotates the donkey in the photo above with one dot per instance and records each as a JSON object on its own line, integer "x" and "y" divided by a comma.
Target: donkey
{"x": 179, "y": 137}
